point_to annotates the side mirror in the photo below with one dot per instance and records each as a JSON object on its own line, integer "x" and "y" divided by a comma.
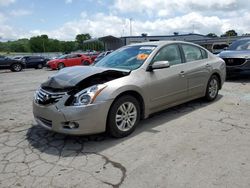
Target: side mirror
{"x": 159, "y": 65}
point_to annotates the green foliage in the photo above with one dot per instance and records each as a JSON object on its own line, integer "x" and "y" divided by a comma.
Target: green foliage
{"x": 211, "y": 35}
{"x": 230, "y": 33}
{"x": 246, "y": 34}
{"x": 67, "y": 46}
{"x": 80, "y": 38}
{"x": 21, "y": 45}
{"x": 45, "y": 44}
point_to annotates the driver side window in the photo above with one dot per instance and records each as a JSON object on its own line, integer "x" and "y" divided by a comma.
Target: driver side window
{"x": 170, "y": 53}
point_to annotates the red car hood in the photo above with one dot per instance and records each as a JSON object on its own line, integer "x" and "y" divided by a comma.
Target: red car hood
{"x": 54, "y": 61}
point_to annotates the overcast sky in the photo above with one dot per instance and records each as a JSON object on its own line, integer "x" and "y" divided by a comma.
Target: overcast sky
{"x": 63, "y": 19}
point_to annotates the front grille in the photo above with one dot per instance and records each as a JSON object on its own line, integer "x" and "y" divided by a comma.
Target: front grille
{"x": 45, "y": 97}
{"x": 234, "y": 61}
{"x": 46, "y": 122}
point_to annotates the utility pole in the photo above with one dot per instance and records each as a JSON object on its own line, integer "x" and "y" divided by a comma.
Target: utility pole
{"x": 43, "y": 46}
{"x": 130, "y": 25}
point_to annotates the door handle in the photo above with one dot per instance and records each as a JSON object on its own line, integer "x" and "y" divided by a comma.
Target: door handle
{"x": 182, "y": 73}
{"x": 208, "y": 65}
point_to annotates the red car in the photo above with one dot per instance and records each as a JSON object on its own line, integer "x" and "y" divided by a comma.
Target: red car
{"x": 69, "y": 60}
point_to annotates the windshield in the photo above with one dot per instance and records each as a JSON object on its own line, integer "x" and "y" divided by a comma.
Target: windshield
{"x": 63, "y": 57}
{"x": 240, "y": 45}
{"x": 129, "y": 57}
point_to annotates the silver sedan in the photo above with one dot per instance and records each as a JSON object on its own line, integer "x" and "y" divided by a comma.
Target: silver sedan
{"x": 126, "y": 86}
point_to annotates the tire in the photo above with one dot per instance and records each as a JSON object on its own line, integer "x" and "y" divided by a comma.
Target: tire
{"x": 60, "y": 66}
{"x": 212, "y": 88}
{"x": 39, "y": 66}
{"x": 120, "y": 123}
{"x": 16, "y": 67}
{"x": 85, "y": 63}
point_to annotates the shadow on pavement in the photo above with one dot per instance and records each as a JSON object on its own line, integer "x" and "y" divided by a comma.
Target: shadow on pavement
{"x": 240, "y": 78}
{"x": 66, "y": 146}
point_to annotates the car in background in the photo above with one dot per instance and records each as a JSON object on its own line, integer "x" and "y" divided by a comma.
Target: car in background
{"x": 102, "y": 55}
{"x": 37, "y": 62}
{"x": 126, "y": 86}
{"x": 219, "y": 47}
{"x": 68, "y": 61}
{"x": 17, "y": 57}
{"x": 237, "y": 57}
{"x": 12, "y": 64}
{"x": 93, "y": 55}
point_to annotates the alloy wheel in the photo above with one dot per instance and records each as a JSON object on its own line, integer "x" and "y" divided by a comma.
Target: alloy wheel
{"x": 213, "y": 88}
{"x": 17, "y": 67}
{"x": 126, "y": 116}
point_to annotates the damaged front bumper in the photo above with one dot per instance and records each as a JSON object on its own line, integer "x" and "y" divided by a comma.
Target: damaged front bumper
{"x": 73, "y": 120}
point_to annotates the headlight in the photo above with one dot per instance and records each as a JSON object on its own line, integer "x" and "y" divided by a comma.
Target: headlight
{"x": 88, "y": 95}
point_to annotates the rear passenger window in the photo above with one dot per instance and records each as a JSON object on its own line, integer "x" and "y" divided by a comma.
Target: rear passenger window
{"x": 192, "y": 53}
{"x": 170, "y": 53}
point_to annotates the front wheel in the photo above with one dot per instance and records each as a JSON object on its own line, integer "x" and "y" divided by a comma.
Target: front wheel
{"x": 16, "y": 67}
{"x": 123, "y": 117}
{"x": 60, "y": 66}
{"x": 212, "y": 88}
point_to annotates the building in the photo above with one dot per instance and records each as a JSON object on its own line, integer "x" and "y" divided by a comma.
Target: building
{"x": 113, "y": 43}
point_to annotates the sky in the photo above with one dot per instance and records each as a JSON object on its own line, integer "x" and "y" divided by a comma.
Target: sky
{"x": 64, "y": 19}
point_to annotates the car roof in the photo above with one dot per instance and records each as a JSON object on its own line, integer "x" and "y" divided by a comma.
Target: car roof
{"x": 162, "y": 43}
{"x": 243, "y": 39}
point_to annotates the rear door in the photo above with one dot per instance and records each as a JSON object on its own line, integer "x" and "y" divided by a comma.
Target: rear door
{"x": 197, "y": 70}
{"x": 169, "y": 85}
{"x": 29, "y": 62}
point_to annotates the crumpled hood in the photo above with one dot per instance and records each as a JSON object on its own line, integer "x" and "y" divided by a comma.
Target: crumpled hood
{"x": 235, "y": 54}
{"x": 71, "y": 76}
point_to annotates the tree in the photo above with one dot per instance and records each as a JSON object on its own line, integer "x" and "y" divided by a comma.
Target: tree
{"x": 39, "y": 43}
{"x": 68, "y": 46}
{"x": 230, "y": 33}
{"x": 211, "y": 35}
{"x": 54, "y": 45}
{"x": 246, "y": 34}
{"x": 43, "y": 43}
{"x": 80, "y": 38}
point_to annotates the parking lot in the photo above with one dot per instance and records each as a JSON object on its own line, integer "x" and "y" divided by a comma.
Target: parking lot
{"x": 197, "y": 144}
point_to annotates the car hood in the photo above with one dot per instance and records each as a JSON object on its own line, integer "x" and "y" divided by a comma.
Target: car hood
{"x": 53, "y": 61}
{"x": 72, "y": 76}
{"x": 235, "y": 54}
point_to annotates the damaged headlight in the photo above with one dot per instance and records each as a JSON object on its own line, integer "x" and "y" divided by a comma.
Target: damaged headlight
{"x": 88, "y": 95}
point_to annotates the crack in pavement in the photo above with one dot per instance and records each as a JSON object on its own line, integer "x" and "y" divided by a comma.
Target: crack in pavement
{"x": 116, "y": 165}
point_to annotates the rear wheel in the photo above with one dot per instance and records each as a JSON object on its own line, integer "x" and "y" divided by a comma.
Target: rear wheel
{"x": 60, "y": 66}
{"x": 16, "y": 67}
{"x": 212, "y": 88}
{"x": 124, "y": 115}
{"x": 85, "y": 63}
{"x": 40, "y": 66}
